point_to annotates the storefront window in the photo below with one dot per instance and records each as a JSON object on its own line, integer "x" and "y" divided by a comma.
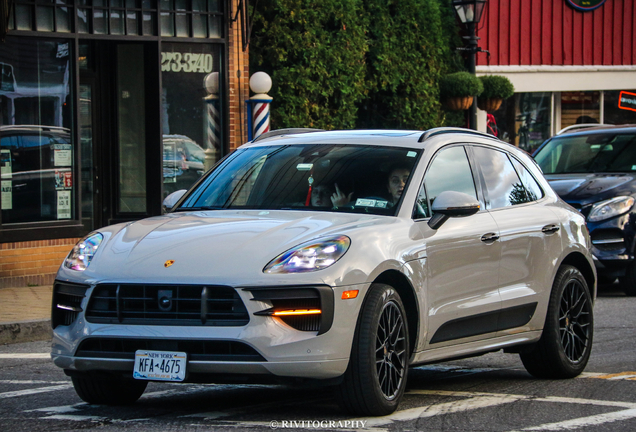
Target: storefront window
{"x": 580, "y": 108}
{"x": 37, "y": 149}
{"x": 191, "y": 111}
{"x": 523, "y": 120}
{"x": 620, "y": 107}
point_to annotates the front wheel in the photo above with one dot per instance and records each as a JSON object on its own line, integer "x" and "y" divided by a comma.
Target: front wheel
{"x": 564, "y": 348}
{"x": 376, "y": 376}
{"x": 111, "y": 391}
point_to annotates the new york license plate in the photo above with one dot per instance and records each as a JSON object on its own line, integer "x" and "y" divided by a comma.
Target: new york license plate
{"x": 160, "y": 365}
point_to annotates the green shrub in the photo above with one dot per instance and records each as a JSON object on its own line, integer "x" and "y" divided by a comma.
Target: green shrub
{"x": 314, "y": 50}
{"x": 408, "y": 52}
{"x": 496, "y": 86}
{"x": 338, "y": 64}
{"x": 460, "y": 84}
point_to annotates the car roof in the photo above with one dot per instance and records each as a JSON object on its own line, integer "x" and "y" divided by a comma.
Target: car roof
{"x": 621, "y": 128}
{"x": 380, "y": 137}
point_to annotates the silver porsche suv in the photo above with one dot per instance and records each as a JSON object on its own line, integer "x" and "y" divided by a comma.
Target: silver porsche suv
{"x": 342, "y": 258}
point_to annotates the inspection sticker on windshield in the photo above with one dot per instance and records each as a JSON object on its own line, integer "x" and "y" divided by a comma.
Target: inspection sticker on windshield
{"x": 160, "y": 365}
{"x": 366, "y": 202}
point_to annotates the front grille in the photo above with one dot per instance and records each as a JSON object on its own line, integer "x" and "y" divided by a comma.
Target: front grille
{"x": 201, "y": 350}
{"x": 175, "y": 305}
{"x": 67, "y": 302}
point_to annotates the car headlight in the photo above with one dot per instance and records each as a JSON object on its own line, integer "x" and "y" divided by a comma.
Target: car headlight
{"x": 311, "y": 256}
{"x": 610, "y": 208}
{"x": 83, "y": 252}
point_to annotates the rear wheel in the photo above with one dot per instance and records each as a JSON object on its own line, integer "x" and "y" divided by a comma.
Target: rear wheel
{"x": 108, "y": 391}
{"x": 564, "y": 348}
{"x": 376, "y": 376}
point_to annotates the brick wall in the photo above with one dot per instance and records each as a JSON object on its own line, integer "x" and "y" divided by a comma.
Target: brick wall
{"x": 33, "y": 262}
{"x": 238, "y": 66}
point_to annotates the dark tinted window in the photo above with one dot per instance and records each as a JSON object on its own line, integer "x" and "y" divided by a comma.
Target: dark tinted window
{"x": 533, "y": 189}
{"x": 602, "y": 152}
{"x": 503, "y": 186}
{"x": 449, "y": 171}
{"x": 305, "y": 177}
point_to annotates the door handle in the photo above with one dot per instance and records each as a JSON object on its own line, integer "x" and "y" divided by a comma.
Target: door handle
{"x": 490, "y": 237}
{"x": 550, "y": 229}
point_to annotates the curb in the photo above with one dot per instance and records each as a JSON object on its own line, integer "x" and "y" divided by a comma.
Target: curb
{"x": 25, "y": 331}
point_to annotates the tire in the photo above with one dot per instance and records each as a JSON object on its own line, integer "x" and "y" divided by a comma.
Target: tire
{"x": 110, "y": 391}
{"x": 564, "y": 348}
{"x": 628, "y": 282}
{"x": 378, "y": 367}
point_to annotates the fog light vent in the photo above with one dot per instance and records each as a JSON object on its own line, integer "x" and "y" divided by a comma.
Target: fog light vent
{"x": 67, "y": 302}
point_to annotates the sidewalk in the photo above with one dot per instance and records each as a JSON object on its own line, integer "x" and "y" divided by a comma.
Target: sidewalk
{"x": 25, "y": 314}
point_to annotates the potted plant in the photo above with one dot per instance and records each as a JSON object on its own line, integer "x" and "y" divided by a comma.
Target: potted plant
{"x": 496, "y": 89}
{"x": 458, "y": 89}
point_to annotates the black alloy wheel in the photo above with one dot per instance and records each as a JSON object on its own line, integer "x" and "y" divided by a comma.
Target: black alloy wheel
{"x": 575, "y": 321}
{"x": 375, "y": 379}
{"x": 566, "y": 342}
{"x": 390, "y": 353}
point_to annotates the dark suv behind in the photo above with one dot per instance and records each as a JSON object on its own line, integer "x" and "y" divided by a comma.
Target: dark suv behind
{"x": 594, "y": 170}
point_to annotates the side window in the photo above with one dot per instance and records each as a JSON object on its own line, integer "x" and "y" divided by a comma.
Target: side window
{"x": 533, "y": 189}
{"x": 503, "y": 186}
{"x": 449, "y": 171}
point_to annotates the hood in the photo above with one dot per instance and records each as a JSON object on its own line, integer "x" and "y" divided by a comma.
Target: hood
{"x": 588, "y": 188}
{"x": 227, "y": 244}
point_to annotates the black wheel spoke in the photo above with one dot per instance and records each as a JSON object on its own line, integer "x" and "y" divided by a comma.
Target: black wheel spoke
{"x": 390, "y": 350}
{"x": 574, "y": 320}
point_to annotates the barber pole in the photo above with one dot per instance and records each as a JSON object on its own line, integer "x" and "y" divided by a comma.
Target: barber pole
{"x": 258, "y": 105}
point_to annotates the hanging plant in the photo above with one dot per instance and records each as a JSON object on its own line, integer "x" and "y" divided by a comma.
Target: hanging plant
{"x": 496, "y": 89}
{"x": 458, "y": 89}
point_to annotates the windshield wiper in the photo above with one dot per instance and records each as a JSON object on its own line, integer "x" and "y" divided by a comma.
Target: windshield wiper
{"x": 199, "y": 208}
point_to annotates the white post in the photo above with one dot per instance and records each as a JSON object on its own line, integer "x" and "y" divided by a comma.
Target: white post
{"x": 260, "y": 83}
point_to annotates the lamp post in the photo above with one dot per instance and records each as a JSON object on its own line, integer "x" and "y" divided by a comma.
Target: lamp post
{"x": 469, "y": 13}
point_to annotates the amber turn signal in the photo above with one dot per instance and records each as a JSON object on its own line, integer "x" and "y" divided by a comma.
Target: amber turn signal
{"x": 351, "y": 294}
{"x": 298, "y": 312}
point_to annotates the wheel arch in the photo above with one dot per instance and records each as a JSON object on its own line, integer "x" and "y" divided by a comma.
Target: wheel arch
{"x": 579, "y": 261}
{"x": 404, "y": 288}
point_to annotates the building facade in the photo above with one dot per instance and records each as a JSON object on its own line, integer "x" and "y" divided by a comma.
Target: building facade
{"x": 106, "y": 107}
{"x": 570, "y": 61}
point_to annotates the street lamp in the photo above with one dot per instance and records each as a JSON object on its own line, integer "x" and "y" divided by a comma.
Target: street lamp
{"x": 469, "y": 13}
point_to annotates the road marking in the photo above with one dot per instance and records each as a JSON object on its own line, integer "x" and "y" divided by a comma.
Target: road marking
{"x": 617, "y": 376}
{"x": 25, "y": 356}
{"x": 576, "y": 424}
{"x": 31, "y": 382}
{"x": 28, "y": 392}
{"x": 468, "y": 404}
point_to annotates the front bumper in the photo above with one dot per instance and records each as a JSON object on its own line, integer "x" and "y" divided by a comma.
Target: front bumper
{"x": 280, "y": 350}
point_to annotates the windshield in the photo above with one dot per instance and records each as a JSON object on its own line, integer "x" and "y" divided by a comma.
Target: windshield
{"x": 605, "y": 152}
{"x": 346, "y": 178}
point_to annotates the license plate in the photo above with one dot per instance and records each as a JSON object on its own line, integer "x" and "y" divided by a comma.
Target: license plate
{"x": 160, "y": 365}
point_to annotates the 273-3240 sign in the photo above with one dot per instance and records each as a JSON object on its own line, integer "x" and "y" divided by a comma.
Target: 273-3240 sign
{"x": 186, "y": 62}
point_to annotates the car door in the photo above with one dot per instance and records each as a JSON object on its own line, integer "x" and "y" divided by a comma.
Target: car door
{"x": 462, "y": 257}
{"x": 529, "y": 234}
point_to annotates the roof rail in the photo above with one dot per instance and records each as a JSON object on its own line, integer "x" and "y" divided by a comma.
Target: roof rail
{"x": 579, "y": 127}
{"x": 289, "y": 131}
{"x": 443, "y": 130}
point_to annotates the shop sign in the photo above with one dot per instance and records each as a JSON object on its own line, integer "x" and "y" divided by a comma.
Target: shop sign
{"x": 627, "y": 101}
{"x": 63, "y": 180}
{"x": 585, "y": 5}
{"x": 186, "y": 62}
{"x": 64, "y": 204}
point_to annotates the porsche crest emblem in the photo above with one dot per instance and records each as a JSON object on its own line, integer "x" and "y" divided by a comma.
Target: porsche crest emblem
{"x": 168, "y": 263}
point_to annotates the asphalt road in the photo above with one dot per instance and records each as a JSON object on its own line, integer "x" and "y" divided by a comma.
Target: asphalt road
{"x": 487, "y": 393}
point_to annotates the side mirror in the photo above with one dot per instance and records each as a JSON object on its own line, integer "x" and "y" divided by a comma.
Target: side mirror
{"x": 172, "y": 199}
{"x": 452, "y": 204}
